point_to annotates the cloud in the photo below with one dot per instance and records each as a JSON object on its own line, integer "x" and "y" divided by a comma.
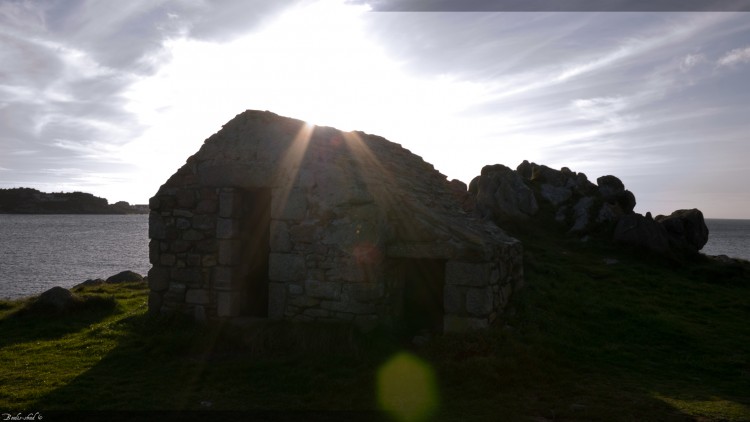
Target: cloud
{"x": 66, "y": 67}
{"x": 602, "y": 108}
{"x": 690, "y": 61}
{"x": 734, "y": 57}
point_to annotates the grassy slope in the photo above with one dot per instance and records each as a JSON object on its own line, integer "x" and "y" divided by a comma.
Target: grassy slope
{"x": 639, "y": 339}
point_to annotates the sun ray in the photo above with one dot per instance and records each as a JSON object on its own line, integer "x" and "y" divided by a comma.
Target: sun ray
{"x": 288, "y": 167}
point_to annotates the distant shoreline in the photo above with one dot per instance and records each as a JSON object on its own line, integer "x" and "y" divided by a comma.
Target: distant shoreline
{"x": 30, "y": 201}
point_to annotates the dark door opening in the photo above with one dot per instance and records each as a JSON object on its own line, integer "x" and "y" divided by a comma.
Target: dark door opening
{"x": 423, "y": 294}
{"x": 256, "y": 232}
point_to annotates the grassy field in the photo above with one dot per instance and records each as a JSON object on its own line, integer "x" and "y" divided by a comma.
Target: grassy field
{"x": 596, "y": 334}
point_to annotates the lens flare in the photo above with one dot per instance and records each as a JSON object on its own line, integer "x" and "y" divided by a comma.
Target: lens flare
{"x": 407, "y": 388}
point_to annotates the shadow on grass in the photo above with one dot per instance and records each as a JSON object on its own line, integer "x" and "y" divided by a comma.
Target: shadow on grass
{"x": 306, "y": 372}
{"x": 33, "y": 323}
{"x": 277, "y": 369}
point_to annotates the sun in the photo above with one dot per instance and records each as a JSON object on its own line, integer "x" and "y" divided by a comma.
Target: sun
{"x": 320, "y": 65}
{"x": 319, "y": 62}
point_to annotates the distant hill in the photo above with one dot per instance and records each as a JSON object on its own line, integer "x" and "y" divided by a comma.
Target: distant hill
{"x": 32, "y": 201}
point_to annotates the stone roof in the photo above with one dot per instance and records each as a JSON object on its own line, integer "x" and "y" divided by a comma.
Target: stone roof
{"x": 325, "y": 174}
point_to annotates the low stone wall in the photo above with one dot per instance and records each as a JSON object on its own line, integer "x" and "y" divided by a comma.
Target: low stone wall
{"x": 476, "y": 293}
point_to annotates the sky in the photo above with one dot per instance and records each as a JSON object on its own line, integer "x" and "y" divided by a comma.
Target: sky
{"x": 111, "y": 98}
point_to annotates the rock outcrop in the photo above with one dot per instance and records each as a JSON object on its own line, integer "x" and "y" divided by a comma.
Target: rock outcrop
{"x": 500, "y": 194}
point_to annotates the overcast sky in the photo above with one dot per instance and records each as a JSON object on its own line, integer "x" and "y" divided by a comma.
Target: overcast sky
{"x": 112, "y": 97}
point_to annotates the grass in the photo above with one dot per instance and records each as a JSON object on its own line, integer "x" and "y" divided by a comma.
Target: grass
{"x": 596, "y": 334}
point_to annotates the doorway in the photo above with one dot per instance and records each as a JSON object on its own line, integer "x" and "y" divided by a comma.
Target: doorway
{"x": 255, "y": 249}
{"x": 423, "y": 281}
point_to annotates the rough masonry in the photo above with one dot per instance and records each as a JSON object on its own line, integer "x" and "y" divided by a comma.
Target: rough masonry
{"x": 274, "y": 218}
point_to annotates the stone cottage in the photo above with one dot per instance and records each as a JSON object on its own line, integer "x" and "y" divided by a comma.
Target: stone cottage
{"x": 275, "y": 218}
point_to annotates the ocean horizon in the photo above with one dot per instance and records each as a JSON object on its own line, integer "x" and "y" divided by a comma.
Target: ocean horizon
{"x": 730, "y": 237}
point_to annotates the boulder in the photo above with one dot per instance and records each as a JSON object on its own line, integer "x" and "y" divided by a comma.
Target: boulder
{"x": 89, "y": 283}
{"x": 125, "y": 277}
{"x": 582, "y": 214}
{"x": 626, "y": 201}
{"x": 641, "y": 232}
{"x": 525, "y": 169}
{"x": 687, "y": 228}
{"x": 581, "y": 184}
{"x": 610, "y": 187}
{"x": 57, "y": 299}
{"x": 556, "y": 195}
{"x": 609, "y": 213}
{"x": 544, "y": 174}
{"x": 613, "y": 191}
{"x": 461, "y": 194}
{"x": 501, "y": 193}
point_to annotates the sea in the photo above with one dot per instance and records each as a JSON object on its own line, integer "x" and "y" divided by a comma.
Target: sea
{"x": 728, "y": 237}
{"x": 38, "y": 252}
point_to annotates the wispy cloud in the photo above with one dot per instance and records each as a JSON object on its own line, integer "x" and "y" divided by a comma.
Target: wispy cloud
{"x": 690, "y": 61}
{"x": 734, "y": 57}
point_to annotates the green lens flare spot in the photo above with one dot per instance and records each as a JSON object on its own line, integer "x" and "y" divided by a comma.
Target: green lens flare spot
{"x": 407, "y": 388}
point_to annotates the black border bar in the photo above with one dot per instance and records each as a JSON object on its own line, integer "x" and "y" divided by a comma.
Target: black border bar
{"x": 557, "y": 5}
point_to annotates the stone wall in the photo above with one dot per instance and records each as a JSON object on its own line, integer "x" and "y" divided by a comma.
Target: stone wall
{"x": 336, "y": 211}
